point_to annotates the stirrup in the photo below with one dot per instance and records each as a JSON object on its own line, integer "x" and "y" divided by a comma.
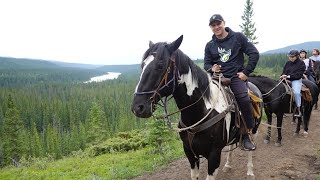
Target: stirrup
{"x": 250, "y": 139}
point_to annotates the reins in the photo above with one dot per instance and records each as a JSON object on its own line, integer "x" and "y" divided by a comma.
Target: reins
{"x": 269, "y": 92}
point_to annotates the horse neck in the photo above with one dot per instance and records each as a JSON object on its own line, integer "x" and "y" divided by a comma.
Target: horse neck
{"x": 268, "y": 86}
{"x": 196, "y": 92}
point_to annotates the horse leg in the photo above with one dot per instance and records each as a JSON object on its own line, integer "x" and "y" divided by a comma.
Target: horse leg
{"x": 268, "y": 135}
{"x": 279, "y": 126}
{"x": 213, "y": 164}
{"x": 298, "y": 126}
{"x": 227, "y": 167}
{"x": 293, "y": 120}
{"x": 306, "y": 119}
{"x": 194, "y": 163}
{"x": 250, "y": 164}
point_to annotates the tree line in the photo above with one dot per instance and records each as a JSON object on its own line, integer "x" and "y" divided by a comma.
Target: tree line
{"x": 55, "y": 118}
{"x": 60, "y": 114}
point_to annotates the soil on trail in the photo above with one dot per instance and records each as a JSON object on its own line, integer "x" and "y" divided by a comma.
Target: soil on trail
{"x": 297, "y": 158}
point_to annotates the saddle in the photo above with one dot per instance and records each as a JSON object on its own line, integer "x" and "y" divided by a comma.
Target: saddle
{"x": 255, "y": 100}
{"x": 240, "y": 124}
{"x": 305, "y": 91}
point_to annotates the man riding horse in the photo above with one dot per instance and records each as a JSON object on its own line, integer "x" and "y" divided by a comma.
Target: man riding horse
{"x": 224, "y": 54}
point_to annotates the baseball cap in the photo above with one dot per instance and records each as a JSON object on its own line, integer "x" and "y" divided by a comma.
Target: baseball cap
{"x": 215, "y": 17}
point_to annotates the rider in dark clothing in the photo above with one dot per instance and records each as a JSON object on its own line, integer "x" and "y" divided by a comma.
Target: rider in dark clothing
{"x": 224, "y": 53}
{"x": 293, "y": 70}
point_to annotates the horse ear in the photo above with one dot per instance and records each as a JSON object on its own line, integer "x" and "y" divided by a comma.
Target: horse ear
{"x": 150, "y": 43}
{"x": 175, "y": 44}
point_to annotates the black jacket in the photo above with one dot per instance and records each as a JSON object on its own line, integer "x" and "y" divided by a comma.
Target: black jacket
{"x": 295, "y": 69}
{"x": 228, "y": 53}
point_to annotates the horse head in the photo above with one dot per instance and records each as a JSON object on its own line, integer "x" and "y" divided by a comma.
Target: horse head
{"x": 158, "y": 77}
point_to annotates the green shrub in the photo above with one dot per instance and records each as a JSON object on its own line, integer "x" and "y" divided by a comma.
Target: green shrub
{"x": 122, "y": 142}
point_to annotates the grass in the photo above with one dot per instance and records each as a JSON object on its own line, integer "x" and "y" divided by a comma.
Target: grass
{"x": 107, "y": 166}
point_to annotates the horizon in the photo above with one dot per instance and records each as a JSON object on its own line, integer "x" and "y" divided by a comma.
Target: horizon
{"x": 65, "y": 61}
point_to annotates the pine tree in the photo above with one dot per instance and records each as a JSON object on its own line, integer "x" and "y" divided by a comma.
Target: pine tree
{"x": 38, "y": 150}
{"x": 96, "y": 130}
{"x": 248, "y": 26}
{"x": 13, "y": 126}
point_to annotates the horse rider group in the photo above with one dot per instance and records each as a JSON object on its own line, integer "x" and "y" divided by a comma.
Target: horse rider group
{"x": 224, "y": 54}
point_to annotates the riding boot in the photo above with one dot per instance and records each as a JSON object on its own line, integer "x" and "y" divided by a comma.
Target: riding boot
{"x": 298, "y": 112}
{"x": 247, "y": 142}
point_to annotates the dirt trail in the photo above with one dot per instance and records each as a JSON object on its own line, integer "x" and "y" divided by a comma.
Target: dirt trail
{"x": 295, "y": 159}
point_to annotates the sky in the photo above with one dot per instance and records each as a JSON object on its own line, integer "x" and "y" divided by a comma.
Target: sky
{"x": 118, "y": 31}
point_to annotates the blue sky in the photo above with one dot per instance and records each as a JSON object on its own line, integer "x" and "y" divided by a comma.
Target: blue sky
{"x": 118, "y": 32}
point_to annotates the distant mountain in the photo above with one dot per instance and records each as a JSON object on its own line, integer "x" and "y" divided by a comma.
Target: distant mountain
{"x": 308, "y": 46}
{"x": 120, "y": 68}
{"x": 76, "y": 65}
{"x": 23, "y": 63}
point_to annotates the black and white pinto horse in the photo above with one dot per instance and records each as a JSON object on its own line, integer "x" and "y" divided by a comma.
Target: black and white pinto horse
{"x": 167, "y": 71}
{"x": 277, "y": 100}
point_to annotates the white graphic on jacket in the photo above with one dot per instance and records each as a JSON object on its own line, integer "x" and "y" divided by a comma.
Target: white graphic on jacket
{"x": 224, "y": 55}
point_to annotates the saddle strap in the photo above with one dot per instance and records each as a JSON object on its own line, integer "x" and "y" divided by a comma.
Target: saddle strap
{"x": 212, "y": 121}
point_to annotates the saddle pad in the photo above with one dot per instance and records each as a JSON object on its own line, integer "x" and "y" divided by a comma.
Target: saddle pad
{"x": 255, "y": 101}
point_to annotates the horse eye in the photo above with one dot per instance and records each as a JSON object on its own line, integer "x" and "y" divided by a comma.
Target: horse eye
{"x": 160, "y": 66}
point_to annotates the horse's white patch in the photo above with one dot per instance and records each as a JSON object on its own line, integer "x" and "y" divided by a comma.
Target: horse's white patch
{"x": 228, "y": 122}
{"x": 217, "y": 99}
{"x": 146, "y": 62}
{"x": 227, "y": 167}
{"x": 191, "y": 84}
{"x": 250, "y": 164}
{"x": 214, "y": 175}
{"x": 195, "y": 173}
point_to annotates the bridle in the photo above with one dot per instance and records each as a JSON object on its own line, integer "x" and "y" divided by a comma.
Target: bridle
{"x": 163, "y": 84}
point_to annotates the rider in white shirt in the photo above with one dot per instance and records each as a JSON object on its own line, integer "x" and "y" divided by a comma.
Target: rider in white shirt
{"x": 315, "y": 55}
{"x": 308, "y": 74}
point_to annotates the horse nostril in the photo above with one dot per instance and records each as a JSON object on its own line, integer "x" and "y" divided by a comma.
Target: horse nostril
{"x": 140, "y": 108}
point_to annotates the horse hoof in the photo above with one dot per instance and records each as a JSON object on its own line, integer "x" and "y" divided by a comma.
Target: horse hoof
{"x": 226, "y": 169}
{"x": 266, "y": 141}
{"x": 251, "y": 177}
{"x": 277, "y": 144}
{"x": 305, "y": 134}
{"x": 295, "y": 134}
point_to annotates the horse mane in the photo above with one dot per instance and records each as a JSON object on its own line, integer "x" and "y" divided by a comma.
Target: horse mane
{"x": 183, "y": 63}
{"x": 198, "y": 74}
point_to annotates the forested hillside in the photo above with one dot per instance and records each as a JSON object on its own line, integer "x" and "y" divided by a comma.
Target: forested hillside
{"x": 21, "y": 63}
{"x": 308, "y": 46}
{"x": 47, "y": 110}
{"x": 51, "y": 112}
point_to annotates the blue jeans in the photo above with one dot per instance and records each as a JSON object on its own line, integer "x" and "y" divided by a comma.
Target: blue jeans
{"x": 310, "y": 77}
{"x": 296, "y": 87}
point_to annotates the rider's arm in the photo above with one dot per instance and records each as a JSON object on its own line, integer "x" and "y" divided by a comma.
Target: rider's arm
{"x": 208, "y": 59}
{"x": 250, "y": 50}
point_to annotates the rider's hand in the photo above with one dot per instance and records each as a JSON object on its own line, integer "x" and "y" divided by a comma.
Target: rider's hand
{"x": 242, "y": 76}
{"x": 216, "y": 68}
